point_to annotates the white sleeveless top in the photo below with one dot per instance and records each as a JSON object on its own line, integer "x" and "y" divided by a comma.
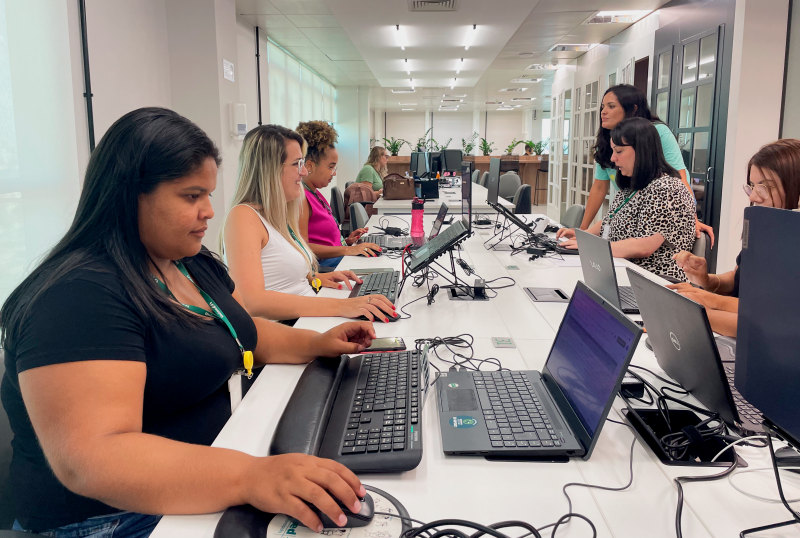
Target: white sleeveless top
{"x": 285, "y": 269}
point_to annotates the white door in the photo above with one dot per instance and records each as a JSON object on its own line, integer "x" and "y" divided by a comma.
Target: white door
{"x": 556, "y": 157}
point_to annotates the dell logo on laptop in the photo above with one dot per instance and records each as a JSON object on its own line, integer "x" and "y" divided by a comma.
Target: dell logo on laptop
{"x": 675, "y": 341}
{"x": 595, "y": 265}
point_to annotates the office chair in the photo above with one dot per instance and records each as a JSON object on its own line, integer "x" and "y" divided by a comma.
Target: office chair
{"x": 358, "y": 216}
{"x": 573, "y": 216}
{"x": 700, "y": 245}
{"x": 476, "y": 175}
{"x": 544, "y": 167}
{"x": 347, "y": 184}
{"x": 522, "y": 200}
{"x": 337, "y": 205}
{"x": 484, "y": 178}
{"x": 509, "y": 183}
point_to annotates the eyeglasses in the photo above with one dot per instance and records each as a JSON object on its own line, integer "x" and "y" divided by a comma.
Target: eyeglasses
{"x": 299, "y": 164}
{"x": 762, "y": 190}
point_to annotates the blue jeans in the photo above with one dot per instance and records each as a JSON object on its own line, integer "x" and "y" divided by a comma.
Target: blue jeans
{"x": 119, "y": 525}
{"x": 330, "y": 262}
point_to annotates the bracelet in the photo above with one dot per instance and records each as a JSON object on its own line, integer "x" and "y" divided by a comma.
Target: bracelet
{"x": 719, "y": 283}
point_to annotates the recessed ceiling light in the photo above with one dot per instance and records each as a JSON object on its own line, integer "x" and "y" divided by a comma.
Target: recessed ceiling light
{"x": 494, "y": 102}
{"x": 410, "y": 90}
{"x": 513, "y": 90}
{"x": 407, "y": 104}
{"x": 400, "y": 38}
{"x": 505, "y": 108}
{"x": 573, "y": 47}
{"x": 523, "y": 98}
{"x": 471, "y": 36}
{"x": 407, "y": 109}
{"x": 616, "y": 17}
{"x": 445, "y": 96}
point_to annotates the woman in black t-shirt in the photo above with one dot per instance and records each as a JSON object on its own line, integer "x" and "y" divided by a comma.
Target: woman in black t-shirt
{"x": 120, "y": 345}
{"x": 773, "y": 180}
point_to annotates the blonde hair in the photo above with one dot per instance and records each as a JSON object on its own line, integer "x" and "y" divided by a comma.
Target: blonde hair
{"x": 259, "y": 183}
{"x": 374, "y": 160}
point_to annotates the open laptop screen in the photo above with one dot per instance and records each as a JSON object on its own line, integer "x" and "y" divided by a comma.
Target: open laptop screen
{"x": 466, "y": 194}
{"x": 437, "y": 224}
{"x": 493, "y": 181}
{"x": 586, "y": 359}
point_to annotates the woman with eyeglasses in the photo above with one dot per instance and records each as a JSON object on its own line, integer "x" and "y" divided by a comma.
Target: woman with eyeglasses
{"x": 375, "y": 169}
{"x": 317, "y": 224}
{"x": 268, "y": 258}
{"x": 773, "y": 180}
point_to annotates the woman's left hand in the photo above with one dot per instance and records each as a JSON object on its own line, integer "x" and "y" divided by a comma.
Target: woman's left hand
{"x": 571, "y": 244}
{"x": 699, "y": 228}
{"x": 334, "y": 279}
{"x": 352, "y": 337}
{"x": 356, "y": 235}
{"x": 703, "y": 297}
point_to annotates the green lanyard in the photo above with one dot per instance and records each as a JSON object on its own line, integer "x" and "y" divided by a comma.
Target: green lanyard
{"x": 216, "y": 313}
{"x": 299, "y": 244}
{"x": 614, "y": 213}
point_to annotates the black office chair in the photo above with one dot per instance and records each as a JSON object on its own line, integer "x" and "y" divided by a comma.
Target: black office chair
{"x": 484, "y": 178}
{"x": 337, "y": 205}
{"x": 544, "y": 168}
{"x": 347, "y": 184}
{"x": 522, "y": 200}
{"x": 358, "y": 216}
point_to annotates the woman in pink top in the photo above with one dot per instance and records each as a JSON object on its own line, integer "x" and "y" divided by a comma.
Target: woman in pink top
{"x": 317, "y": 224}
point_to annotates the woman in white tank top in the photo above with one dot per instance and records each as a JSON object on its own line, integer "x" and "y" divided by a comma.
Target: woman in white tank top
{"x": 269, "y": 261}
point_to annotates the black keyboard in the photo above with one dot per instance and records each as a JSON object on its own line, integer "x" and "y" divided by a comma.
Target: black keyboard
{"x": 385, "y": 407}
{"x": 384, "y": 283}
{"x": 626, "y": 296}
{"x": 383, "y": 241}
{"x": 746, "y": 411}
{"x": 513, "y": 411}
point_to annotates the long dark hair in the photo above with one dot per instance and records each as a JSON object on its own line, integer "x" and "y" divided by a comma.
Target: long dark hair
{"x": 634, "y": 102}
{"x": 642, "y": 136}
{"x": 143, "y": 149}
{"x": 782, "y": 158}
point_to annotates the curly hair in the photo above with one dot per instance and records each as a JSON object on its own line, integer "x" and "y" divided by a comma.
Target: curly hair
{"x": 319, "y": 135}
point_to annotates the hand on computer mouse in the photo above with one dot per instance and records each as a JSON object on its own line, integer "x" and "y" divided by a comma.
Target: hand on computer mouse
{"x": 287, "y": 484}
{"x": 569, "y": 233}
{"x": 361, "y": 518}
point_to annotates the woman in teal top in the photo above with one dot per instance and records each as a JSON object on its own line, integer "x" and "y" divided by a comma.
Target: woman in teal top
{"x": 375, "y": 169}
{"x": 621, "y": 102}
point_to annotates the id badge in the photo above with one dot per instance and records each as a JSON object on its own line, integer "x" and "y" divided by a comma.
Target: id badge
{"x": 606, "y": 231}
{"x": 235, "y": 388}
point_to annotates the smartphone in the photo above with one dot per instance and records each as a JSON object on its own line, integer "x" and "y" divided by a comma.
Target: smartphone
{"x": 386, "y": 344}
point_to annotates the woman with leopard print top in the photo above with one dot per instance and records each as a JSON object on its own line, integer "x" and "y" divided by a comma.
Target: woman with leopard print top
{"x": 652, "y": 217}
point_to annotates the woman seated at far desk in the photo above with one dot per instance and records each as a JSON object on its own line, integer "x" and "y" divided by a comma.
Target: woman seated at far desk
{"x": 773, "y": 180}
{"x": 375, "y": 169}
{"x": 652, "y": 216}
{"x": 317, "y": 225}
{"x": 267, "y": 256}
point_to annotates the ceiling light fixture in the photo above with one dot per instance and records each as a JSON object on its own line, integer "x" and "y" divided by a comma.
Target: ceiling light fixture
{"x": 617, "y": 17}
{"x": 407, "y": 104}
{"x": 471, "y": 37}
{"x": 400, "y": 38}
{"x": 578, "y": 47}
{"x": 538, "y": 67}
{"x": 454, "y": 83}
{"x": 526, "y": 55}
{"x": 459, "y": 66}
{"x": 404, "y": 90}
{"x": 407, "y": 109}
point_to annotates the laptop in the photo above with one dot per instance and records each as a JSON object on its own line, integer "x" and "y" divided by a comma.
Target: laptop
{"x": 466, "y": 194}
{"x": 427, "y": 253}
{"x": 598, "y": 271}
{"x": 558, "y": 412}
{"x": 686, "y": 350}
{"x": 403, "y": 241}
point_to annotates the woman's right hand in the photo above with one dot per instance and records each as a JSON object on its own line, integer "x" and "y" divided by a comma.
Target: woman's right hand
{"x": 569, "y": 233}
{"x": 369, "y": 250}
{"x": 695, "y": 267}
{"x": 281, "y": 484}
{"x": 373, "y": 307}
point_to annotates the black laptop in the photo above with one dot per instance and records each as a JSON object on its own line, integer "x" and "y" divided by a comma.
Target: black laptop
{"x": 686, "y": 350}
{"x": 598, "y": 271}
{"x": 558, "y": 412}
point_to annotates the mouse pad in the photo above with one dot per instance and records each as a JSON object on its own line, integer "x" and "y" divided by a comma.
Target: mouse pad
{"x": 283, "y": 526}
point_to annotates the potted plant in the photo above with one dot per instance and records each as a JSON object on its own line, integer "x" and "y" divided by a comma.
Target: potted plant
{"x": 467, "y": 147}
{"x": 514, "y": 143}
{"x": 439, "y": 147}
{"x": 486, "y": 147}
{"x": 394, "y": 145}
{"x": 538, "y": 147}
{"x": 422, "y": 142}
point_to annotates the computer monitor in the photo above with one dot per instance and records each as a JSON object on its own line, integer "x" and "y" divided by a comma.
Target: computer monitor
{"x": 436, "y": 163}
{"x": 767, "y": 371}
{"x": 493, "y": 181}
{"x": 451, "y": 160}
{"x": 423, "y": 164}
{"x": 466, "y": 194}
{"x": 414, "y": 163}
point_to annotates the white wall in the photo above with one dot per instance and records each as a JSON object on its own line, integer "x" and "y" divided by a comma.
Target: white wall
{"x": 455, "y": 125}
{"x": 352, "y": 125}
{"x": 406, "y": 125}
{"x": 759, "y": 46}
{"x": 791, "y": 112}
{"x": 129, "y": 58}
{"x": 502, "y": 127}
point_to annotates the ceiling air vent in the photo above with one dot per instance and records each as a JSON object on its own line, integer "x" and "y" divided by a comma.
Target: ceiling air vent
{"x": 570, "y": 48}
{"x": 494, "y": 102}
{"x": 513, "y": 89}
{"x": 403, "y": 91}
{"x": 523, "y": 98}
{"x": 432, "y": 5}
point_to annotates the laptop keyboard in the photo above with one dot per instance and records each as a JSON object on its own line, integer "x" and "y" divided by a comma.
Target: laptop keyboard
{"x": 626, "y": 296}
{"x": 384, "y": 283}
{"x": 513, "y": 411}
{"x": 385, "y": 404}
{"x": 744, "y": 408}
{"x": 385, "y": 241}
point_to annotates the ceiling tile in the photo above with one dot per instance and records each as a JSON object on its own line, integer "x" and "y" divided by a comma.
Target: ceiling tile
{"x": 314, "y": 21}
{"x": 342, "y": 53}
{"x": 550, "y": 6}
{"x": 302, "y": 7}
{"x": 256, "y": 7}
{"x": 328, "y": 37}
{"x": 273, "y": 21}
{"x": 289, "y": 37}
{"x": 353, "y": 66}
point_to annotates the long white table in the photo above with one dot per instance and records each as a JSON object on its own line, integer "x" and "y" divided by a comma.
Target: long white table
{"x": 451, "y": 195}
{"x": 476, "y": 489}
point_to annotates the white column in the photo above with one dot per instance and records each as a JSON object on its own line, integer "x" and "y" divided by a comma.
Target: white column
{"x": 378, "y": 126}
{"x": 476, "y": 128}
{"x": 759, "y": 46}
{"x": 527, "y": 125}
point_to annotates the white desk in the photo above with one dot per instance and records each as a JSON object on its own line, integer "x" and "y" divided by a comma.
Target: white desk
{"x": 473, "y": 488}
{"x": 451, "y": 195}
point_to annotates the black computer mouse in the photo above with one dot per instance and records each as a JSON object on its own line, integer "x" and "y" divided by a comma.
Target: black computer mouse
{"x": 360, "y": 519}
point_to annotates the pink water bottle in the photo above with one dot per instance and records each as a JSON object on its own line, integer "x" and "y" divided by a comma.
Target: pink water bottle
{"x": 417, "y": 210}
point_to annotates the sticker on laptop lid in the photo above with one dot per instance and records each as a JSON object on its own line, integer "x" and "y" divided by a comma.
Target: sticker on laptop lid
{"x": 463, "y": 421}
